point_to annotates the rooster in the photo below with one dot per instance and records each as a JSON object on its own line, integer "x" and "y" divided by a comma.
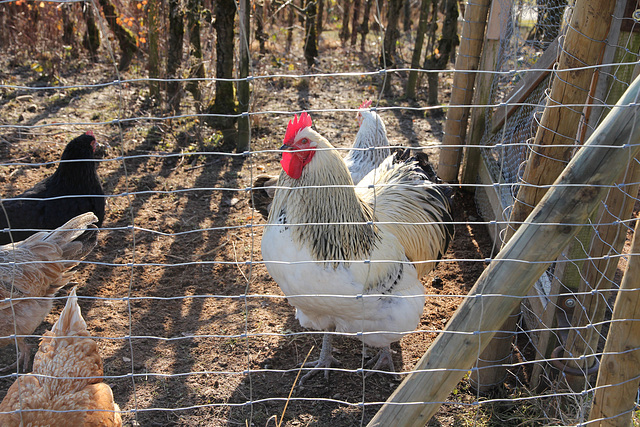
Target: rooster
{"x": 369, "y": 150}
{"x": 350, "y": 259}
{"x": 32, "y": 271}
{"x": 73, "y": 189}
{"x": 66, "y": 377}
{"x": 371, "y": 146}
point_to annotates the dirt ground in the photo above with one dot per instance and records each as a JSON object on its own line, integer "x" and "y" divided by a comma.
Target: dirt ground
{"x": 192, "y": 329}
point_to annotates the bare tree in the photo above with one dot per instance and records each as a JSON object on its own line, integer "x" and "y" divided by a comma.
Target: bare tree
{"x": 344, "y": 31}
{"x": 225, "y": 105}
{"x": 174, "y": 54}
{"x": 126, "y": 39}
{"x": 244, "y": 90}
{"x": 445, "y": 49}
{"x": 194, "y": 13}
{"x": 417, "y": 49}
{"x": 364, "y": 27}
{"x": 153, "y": 19}
{"x": 310, "y": 39}
{"x": 388, "y": 55}
{"x": 319, "y": 19}
{"x": 354, "y": 22}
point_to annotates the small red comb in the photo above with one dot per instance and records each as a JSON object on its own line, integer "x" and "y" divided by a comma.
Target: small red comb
{"x": 296, "y": 125}
{"x": 89, "y": 132}
{"x": 366, "y": 104}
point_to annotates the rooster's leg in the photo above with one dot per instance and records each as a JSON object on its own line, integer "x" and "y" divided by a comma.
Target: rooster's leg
{"x": 326, "y": 360}
{"x": 383, "y": 358}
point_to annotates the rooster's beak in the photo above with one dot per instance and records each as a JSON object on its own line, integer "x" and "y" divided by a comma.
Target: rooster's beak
{"x": 285, "y": 147}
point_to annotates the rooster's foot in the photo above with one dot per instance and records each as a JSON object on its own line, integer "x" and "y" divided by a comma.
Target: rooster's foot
{"x": 326, "y": 360}
{"x": 383, "y": 358}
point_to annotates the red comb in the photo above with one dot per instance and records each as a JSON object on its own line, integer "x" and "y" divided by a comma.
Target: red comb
{"x": 366, "y": 104}
{"x": 89, "y": 132}
{"x": 296, "y": 125}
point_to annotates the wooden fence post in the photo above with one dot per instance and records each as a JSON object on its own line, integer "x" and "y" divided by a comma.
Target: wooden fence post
{"x": 539, "y": 241}
{"x": 617, "y": 384}
{"x": 498, "y": 18}
{"x": 555, "y": 140}
{"x": 455, "y": 126}
{"x": 598, "y": 274}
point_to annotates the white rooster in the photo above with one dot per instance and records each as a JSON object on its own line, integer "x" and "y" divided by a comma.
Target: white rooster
{"x": 371, "y": 146}
{"x": 350, "y": 258}
{"x": 369, "y": 150}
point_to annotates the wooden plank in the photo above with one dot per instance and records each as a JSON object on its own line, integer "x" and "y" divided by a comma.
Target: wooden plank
{"x": 548, "y": 229}
{"x": 617, "y": 384}
{"x": 527, "y": 84}
{"x": 486, "y": 181}
{"x": 498, "y": 17}
{"x": 455, "y": 125}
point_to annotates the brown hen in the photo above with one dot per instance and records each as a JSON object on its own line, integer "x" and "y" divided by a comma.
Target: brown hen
{"x": 32, "y": 271}
{"x": 65, "y": 387}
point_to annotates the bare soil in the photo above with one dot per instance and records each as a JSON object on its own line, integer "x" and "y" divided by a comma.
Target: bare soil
{"x": 192, "y": 329}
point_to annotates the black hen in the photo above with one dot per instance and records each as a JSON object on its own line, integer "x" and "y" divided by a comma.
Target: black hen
{"x": 56, "y": 197}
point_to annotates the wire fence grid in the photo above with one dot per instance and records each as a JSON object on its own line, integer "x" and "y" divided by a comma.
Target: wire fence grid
{"x": 192, "y": 329}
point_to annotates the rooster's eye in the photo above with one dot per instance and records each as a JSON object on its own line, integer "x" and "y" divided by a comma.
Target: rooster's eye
{"x": 304, "y": 141}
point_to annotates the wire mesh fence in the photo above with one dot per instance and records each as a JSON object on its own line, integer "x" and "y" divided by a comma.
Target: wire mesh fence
{"x": 191, "y": 327}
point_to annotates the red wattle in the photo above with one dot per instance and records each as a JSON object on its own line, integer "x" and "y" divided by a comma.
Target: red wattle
{"x": 294, "y": 161}
{"x": 292, "y": 164}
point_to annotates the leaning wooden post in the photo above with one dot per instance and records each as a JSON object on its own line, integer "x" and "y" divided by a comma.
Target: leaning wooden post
{"x": 554, "y": 142}
{"x": 516, "y": 268}
{"x": 455, "y": 126}
{"x": 617, "y": 384}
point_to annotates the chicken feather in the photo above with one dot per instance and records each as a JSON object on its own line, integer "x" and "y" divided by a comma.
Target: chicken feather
{"x": 335, "y": 250}
{"x": 33, "y": 270}
{"x": 65, "y": 388}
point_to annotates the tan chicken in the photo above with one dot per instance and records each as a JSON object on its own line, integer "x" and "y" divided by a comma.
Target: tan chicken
{"x": 32, "y": 271}
{"x": 67, "y": 371}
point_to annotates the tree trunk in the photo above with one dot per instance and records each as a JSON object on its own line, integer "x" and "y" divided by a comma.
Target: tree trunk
{"x": 446, "y": 47}
{"x": 244, "y": 90}
{"x": 387, "y": 59}
{"x": 290, "y": 28}
{"x": 388, "y": 55}
{"x": 364, "y": 28}
{"x": 260, "y": 34}
{"x": 174, "y": 54}
{"x": 125, "y": 38}
{"x": 225, "y": 104}
{"x": 194, "y": 10}
{"x": 406, "y": 23}
{"x": 91, "y": 39}
{"x": 153, "y": 19}
{"x": 68, "y": 35}
{"x": 417, "y": 49}
{"x": 310, "y": 40}
{"x": 344, "y": 31}
{"x": 354, "y": 22}
{"x": 320, "y": 17}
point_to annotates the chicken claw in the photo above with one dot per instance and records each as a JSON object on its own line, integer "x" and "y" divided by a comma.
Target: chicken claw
{"x": 326, "y": 360}
{"x": 383, "y": 358}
